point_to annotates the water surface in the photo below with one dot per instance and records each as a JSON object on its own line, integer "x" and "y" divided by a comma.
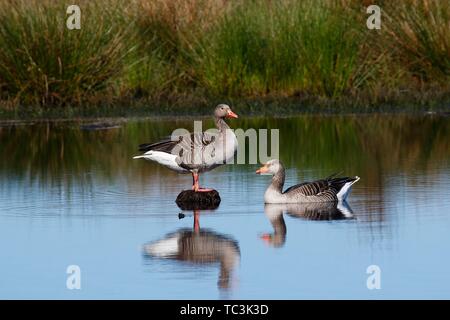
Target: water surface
{"x": 71, "y": 195}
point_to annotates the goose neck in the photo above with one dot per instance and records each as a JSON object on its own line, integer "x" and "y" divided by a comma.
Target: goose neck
{"x": 278, "y": 180}
{"x": 221, "y": 124}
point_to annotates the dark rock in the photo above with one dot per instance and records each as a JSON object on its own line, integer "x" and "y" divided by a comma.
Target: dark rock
{"x": 191, "y": 200}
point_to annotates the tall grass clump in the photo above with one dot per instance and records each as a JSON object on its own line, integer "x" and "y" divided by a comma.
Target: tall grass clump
{"x": 42, "y": 62}
{"x": 418, "y": 38}
{"x": 248, "y": 48}
{"x": 281, "y": 47}
{"x": 331, "y": 38}
{"x": 167, "y": 34}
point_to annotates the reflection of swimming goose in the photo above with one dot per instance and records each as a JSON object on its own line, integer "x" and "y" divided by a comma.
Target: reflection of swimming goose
{"x": 319, "y": 210}
{"x": 198, "y": 246}
{"x": 330, "y": 189}
{"x": 196, "y": 152}
{"x": 275, "y": 214}
{"x": 308, "y": 211}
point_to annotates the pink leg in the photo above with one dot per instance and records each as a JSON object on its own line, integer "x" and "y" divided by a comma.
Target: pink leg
{"x": 195, "y": 185}
{"x": 196, "y": 221}
{"x": 204, "y": 190}
{"x": 194, "y": 181}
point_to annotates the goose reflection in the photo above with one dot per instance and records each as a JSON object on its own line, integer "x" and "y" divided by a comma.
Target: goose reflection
{"x": 199, "y": 246}
{"x": 307, "y": 211}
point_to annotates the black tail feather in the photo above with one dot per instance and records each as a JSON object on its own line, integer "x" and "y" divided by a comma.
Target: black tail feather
{"x": 338, "y": 183}
{"x": 331, "y": 176}
{"x": 165, "y": 146}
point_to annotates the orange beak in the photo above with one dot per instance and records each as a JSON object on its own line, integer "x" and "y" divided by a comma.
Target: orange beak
{"x": 231, "y": 114}
{"x": 263, "y": 169}
{"x": 266, "y": 238}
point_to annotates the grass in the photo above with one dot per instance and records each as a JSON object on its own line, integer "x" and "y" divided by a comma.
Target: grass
{"x": 44, "y": 63}
{"x": 420, "y": 33}
{"x": 169, "y": 56}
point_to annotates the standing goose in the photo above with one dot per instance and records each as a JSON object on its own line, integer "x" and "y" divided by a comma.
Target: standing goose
{"x": 330, "y": 189}
{"x": 196, "y": 152}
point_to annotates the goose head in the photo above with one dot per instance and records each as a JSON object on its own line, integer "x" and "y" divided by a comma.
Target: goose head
{"x": 271, "y": 167}
{"x": 224, "y": 111}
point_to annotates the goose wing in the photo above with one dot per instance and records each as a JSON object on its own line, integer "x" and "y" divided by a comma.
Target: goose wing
{"x": 326, "y": 188}
{"x": 191, "y": 149}
{"x": 309, "y": 188}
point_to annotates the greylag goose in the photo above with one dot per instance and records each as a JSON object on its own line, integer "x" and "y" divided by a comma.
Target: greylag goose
{"x": 198, "y": 246}
{"x": 308, "y": 211}
{"x": 196, "y": 152}
{"x": 330, "y": 189}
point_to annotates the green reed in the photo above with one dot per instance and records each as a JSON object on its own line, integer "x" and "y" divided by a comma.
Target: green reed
{"x": 182, "y": 52}
{"x": 417, "y": 32}
{"x": 42, "y": 62}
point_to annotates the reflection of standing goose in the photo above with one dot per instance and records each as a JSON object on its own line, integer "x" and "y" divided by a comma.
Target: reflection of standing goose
{"x": 196, "y": 152}
{"x": 330, "y": 189}
{"x": 308, "y": 211}
{"x": 198, "y": 246}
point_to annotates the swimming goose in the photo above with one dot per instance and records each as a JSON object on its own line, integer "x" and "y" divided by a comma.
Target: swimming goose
{"x": 330, "y": 189}
{"x": 196, "y": 152}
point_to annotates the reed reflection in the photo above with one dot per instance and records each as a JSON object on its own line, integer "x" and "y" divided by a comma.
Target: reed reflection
{"x": 365, "y": 144}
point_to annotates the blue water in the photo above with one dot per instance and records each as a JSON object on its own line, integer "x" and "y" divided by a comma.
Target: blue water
{"x": 101, "y": 220}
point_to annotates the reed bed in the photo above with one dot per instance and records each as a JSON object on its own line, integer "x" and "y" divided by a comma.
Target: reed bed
{"x": 42, "y": 62}
{"x": 178, "y": 52}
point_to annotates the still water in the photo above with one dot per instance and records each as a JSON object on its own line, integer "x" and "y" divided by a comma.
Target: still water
{"x": 71, "y": 194}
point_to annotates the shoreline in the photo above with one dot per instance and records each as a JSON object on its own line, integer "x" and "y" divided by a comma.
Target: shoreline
{"x": 111, "y": 120}
{"x": 197, "y": 108}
